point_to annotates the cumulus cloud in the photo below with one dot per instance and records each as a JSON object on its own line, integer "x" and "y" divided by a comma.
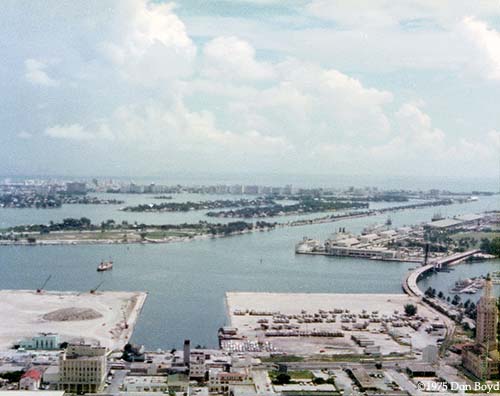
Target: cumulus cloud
{"x": 173, "y": 131}
{"x": 416, "y": 144}
{"x": 309, "y": 102}
{"x": 233, "y": 58}
{"x": 142, "y": 83}
{"x": 487, "y": 42}
{"x": 35, "y": 73}
{"x": 149, "y": 42}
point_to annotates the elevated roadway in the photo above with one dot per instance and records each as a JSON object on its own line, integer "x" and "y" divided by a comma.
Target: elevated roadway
{"x": 410, "y": 286}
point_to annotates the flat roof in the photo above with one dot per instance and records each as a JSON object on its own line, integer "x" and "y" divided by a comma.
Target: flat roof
{"x": 469, "y": 217}
{"x": 444, "y": 223}
{"x": 425, "y": 367}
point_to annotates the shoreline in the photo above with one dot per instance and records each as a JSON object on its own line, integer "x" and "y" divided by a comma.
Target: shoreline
{"x": 176, "y": 239}
{"x": 119, "y": 313}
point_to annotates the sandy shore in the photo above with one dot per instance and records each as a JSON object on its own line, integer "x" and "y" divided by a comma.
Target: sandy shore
{"x": 24, "y": 311}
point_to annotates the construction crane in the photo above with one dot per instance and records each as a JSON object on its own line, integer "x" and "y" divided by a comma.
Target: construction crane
{"x": 92, "y": 291}
{"x": 39, "y": 290}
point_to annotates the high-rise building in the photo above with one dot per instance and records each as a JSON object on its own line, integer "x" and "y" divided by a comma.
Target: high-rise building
{"x": 487, "y": 319}
{"x": 187, "y": 352}
{"x": 82, "y": 369}
{"x": 481, "y": 358}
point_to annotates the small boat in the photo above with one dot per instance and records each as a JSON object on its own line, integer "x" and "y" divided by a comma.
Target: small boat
{"x": 105, "y": 266}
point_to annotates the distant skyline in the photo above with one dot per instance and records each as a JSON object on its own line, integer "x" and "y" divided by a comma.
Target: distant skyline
{"x": 305, "y": 87}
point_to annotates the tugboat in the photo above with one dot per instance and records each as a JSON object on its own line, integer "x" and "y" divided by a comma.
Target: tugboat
{"x": 105, "y": 266}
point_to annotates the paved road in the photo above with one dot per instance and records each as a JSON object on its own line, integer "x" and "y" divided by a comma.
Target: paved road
{"x": 116, "y": 382}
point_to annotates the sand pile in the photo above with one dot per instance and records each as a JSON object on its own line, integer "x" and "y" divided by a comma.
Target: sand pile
{"x": 72, "y": 314}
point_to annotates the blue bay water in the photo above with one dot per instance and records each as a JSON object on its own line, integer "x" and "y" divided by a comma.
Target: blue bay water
{"x": 187, "y": 281}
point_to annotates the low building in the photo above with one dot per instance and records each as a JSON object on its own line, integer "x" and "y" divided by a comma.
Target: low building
{"x": 371, "y": 253}
{"x": 222, "y": 382}
{"x": 30, "y": 380}
{"x": 430, "y": 354}
{"x": 420, "y": 370}
{"x": 197, "y": 367}
{"x": 362, "y": 379}
{"x": 82, "y": 368}
{"x": 305, "y": 389}
{"x": 76, "y": 188}
{"x": 479, "y": 362}
{"x": 178, "y": 383}
{"x": 145, "y": 384}
{"x": 51, "y": 375}
{"x": 43, "y": 341}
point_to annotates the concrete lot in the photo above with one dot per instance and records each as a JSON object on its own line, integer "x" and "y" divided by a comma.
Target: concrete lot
{"x": 24, "y": 310}
{"x": 391, "y": 339}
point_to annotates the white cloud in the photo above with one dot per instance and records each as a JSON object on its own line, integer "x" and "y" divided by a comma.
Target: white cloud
{"x": 233, "y": 58}
{"x": 77, "y": 132}
{"x": 487, "y": 42}
{"x": 150, "y": 43}
{"x": 494, "y": 137}
{"x": 171, "y": 133}
{"x": 260, "y": 93}
{"x": 417, "y": 147}
{"x": 24, "y": 135}
{"x": 306, "y": 99}
{"x": 35, "y": 73}
{"x": 417, "y": 127}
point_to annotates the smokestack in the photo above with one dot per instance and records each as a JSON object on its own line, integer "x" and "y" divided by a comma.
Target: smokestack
{"x": 187, "y": 352}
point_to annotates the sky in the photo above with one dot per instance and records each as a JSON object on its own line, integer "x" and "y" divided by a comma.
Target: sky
{"x": 139, "y": 88}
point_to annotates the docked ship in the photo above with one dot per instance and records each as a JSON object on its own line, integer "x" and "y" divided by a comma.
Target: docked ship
{"x": 105, "y": 266}
{"x": 437, "y": 216}
{"x": 308, "y": 245}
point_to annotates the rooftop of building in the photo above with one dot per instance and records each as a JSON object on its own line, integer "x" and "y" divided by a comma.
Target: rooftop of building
{"x": 33, "y": 374}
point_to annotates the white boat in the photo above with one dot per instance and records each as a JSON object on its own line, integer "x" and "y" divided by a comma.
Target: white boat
{"x": 105, "y": 266}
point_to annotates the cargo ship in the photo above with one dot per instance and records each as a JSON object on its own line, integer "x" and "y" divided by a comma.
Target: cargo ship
{"x": 105, "y": 266}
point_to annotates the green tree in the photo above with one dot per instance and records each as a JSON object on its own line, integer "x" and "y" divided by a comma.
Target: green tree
{"x": 410, "y": 309}
{"x": 456, "y": 300}
{"x": 282, "y": 379}
{"x": 495, "y": 246}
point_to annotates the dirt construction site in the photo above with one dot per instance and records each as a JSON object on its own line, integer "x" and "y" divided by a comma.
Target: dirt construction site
{"x": 107, "y": 318}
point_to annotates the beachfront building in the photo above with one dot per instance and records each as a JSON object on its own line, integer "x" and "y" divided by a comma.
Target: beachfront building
{"x": 82, "y": 368}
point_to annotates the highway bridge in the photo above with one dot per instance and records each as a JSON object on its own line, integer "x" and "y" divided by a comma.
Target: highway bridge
{"x": 410, "y": 286}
